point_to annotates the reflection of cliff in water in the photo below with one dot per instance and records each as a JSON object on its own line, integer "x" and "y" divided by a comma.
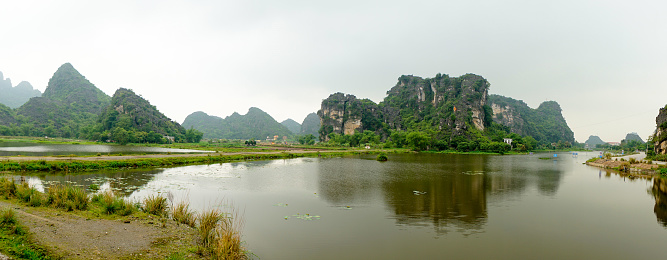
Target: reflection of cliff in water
{"x": 660, "y": 193}
{"x": 449, "y": 190}
{"x": 121, "y": 182}
{"x": 442, "y": 191}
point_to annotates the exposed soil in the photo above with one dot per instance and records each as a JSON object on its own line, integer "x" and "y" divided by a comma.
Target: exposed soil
{"x": 638, "y": 169}
{"x": 71, "y": 236}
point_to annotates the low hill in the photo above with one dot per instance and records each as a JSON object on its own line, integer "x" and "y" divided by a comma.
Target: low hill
{"x": 256, "y": 124}
{"x": 135, "y": 114}
{"x": 292, "y": 125}
{"x": 633, "y": 137}
{"x": 310, "y": 125}
{"x": 593, "y": 141}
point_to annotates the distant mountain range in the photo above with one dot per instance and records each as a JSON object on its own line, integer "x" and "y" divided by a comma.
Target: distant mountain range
{"x": 15, "y": 96}
{"x": 72, "y": 106}
{"x": 256, "y": 124}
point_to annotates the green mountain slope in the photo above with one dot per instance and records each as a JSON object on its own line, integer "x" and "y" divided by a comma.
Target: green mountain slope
{"x": 69, "y": 106}
{"x": 593, "y": 141}
{"x": 255, "y": 124}
{"x": 292, "y": 125}
{"x": 310, "y": 125}
{"x": 134, "y": 113}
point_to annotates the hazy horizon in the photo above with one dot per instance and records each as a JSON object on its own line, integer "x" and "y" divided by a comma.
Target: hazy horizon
{"x": 601, "y": 61}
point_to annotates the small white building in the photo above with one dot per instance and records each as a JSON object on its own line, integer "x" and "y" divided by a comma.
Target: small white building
{"x": 508, "y": 141}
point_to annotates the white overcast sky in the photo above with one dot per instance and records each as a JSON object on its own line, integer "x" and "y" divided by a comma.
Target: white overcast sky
{"x": 605, "y": 62}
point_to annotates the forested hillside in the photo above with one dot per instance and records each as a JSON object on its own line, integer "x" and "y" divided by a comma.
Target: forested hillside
{"x": 256, "y": 124}
{"x": 68, "y": 108}
{"x": 131, "y": 118}
{"x": 292, "y": 125}
{"x": 310, "y": 125}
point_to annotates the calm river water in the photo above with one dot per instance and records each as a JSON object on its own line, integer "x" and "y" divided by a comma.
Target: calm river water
{"x": 47, "y": 149}
{"x": 420, "y": 206}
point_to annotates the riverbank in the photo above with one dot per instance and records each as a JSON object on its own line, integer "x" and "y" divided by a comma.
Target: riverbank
{"x": 73, "y": 164}
{"x": 627, "y": 167}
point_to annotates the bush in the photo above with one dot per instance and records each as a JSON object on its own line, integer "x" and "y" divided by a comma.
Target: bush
{"x": 382, "y": 157}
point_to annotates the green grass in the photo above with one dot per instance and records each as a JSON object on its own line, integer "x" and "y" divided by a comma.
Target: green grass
{"x": 15, "y": 240}
{"x": 75, "y": 166}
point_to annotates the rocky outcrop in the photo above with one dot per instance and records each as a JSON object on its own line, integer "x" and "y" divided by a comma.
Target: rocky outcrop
{"x": 452, "y": 106}
{"x": 660, "y": 135}
{"x": 546, "y": 123}
{"x": 345, "y": 114}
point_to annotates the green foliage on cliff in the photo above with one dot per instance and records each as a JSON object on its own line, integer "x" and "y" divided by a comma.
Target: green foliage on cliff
{"x": 546, "y": 123}
{"x": 256, "y": 124}
{"x": 440, "y": 113}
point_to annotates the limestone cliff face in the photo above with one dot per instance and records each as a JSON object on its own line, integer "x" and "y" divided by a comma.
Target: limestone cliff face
{"x": 452, "y": 105}
{"x": 508, "y": 116}
{"x": 660, "y": 136}
{"x": 345, "y": 114}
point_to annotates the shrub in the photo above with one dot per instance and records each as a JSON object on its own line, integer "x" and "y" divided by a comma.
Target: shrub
{"x": 7, "y": 187}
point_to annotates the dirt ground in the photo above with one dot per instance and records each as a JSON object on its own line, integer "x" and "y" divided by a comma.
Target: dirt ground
{"x": 72, "y": 236}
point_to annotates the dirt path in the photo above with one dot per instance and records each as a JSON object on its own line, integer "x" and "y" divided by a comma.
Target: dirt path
{"x": 75, "y": 237}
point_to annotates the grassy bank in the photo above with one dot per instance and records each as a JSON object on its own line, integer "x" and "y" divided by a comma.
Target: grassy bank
{"x": 74, "y": 165}
{"x": 216, "y": 233}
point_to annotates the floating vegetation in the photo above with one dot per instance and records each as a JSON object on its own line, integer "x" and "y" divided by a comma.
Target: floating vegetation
{"x": 545, "y": 158}
{"x": 303, "y": 217}
{"x": 473, "y": 172}
{"x": 416, "y": 192}
{"x": 284, "y": 205}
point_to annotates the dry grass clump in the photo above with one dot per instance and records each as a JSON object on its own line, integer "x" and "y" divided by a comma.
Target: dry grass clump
{"x": 220, "y": 234}
{"x": 155, "y": 205}
{"x": 181, "y": 213}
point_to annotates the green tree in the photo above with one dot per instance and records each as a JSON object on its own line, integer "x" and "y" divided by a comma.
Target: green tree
{"x": 417, "y": 140}
{"x": 193, "y": 135}
{"x": 120, "y": 135}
